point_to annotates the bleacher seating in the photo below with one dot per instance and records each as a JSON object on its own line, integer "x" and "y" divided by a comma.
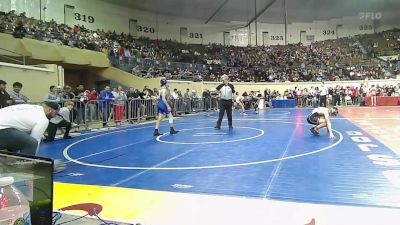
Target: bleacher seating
{"x": 339, "y": 59}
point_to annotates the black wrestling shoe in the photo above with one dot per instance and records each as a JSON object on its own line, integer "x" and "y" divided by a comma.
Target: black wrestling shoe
{"x": 156, "y": 133}
{"x": 313, "y": 131}
{"x": 172, "y": 131}
{"x": 230, "y": 127}
{"x": 217, "y": 127}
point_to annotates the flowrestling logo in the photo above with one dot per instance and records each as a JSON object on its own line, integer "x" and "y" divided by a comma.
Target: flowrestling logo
{"x": 370, "y": 15}
{"x": 390, "y": 163}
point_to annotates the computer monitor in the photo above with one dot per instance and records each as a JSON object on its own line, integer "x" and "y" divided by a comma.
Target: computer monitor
{"x": 32, "y": 177}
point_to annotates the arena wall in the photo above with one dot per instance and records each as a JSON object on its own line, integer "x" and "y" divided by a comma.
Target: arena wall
{"x": 281, "y": 87}
{"x": 36, "y": 81}
{"x": 128, "y": 80}
{"x": 50, "y": 52}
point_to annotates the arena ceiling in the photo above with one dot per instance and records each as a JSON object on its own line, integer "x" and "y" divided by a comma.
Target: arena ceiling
{"x": 244, "y": 10}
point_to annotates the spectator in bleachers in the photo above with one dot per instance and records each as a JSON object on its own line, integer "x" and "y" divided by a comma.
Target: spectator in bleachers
{"x": 5, "y": 99}
{"x": 339, "y": 59}
{"x": 19, "y": 30}
{"x": 16, "y": 95}
{"x": 53, "y": 95}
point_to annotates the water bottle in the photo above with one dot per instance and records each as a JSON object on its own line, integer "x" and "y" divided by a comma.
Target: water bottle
{"x": 14, "y": 208}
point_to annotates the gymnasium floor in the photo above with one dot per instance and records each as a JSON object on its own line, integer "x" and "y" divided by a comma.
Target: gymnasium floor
{"x": 268, "y": 159}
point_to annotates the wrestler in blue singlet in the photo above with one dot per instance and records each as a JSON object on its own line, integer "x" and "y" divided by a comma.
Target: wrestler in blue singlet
{"x": 162, "y": 108}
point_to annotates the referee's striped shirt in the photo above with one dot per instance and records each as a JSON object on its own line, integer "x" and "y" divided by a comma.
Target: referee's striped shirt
{"x": 226, "y": 91}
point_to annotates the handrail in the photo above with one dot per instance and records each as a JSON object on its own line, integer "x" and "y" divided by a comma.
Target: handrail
{"x": 23, "y": 61}
{"x": 27, "y": 67}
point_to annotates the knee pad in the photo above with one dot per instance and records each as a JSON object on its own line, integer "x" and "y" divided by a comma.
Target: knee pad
{"x": 171, "y": 118}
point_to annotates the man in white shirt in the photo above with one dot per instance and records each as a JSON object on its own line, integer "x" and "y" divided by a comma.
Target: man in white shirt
{"x": 174, "y": 94}
{"x": 22, "y": 126}
{"x": 312, "y": 91}
{"x": 239, "y": 102}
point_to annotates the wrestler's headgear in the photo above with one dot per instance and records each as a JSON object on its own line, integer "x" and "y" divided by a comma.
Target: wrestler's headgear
{"x": 163, "y": 82}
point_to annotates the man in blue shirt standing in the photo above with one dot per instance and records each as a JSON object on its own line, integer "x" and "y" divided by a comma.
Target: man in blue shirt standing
{"x": 106, "y": 97}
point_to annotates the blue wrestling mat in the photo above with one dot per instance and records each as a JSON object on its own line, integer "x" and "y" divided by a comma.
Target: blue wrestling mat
{"x": 268, "y": 155}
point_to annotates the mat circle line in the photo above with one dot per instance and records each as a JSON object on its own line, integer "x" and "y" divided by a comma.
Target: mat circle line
{"x": 210, "y": 142}
{"x": 66, "y": 155}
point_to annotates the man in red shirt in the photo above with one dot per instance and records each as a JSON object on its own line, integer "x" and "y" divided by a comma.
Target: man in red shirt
{"x": 353, "y": 92}
{"x": 93, "y": 96}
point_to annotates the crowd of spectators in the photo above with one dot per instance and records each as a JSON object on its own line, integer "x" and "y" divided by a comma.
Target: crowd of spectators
{"x": 383, "y": 43}
{"x": 94, "y": 105}
{"x": 89, "y": 104}
{"x": 339, "y": 59}
{"x": 126, "y": 105}
{"x": 113, "y": 44}
{"x": 334, "y": 96}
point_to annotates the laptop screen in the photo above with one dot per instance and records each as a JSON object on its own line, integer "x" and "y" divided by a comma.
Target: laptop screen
{"x": 26, "y": 189}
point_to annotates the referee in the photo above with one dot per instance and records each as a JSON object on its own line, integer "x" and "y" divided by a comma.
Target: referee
{"x": 322, "y": 95}
{"x": 226, "y": 91}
